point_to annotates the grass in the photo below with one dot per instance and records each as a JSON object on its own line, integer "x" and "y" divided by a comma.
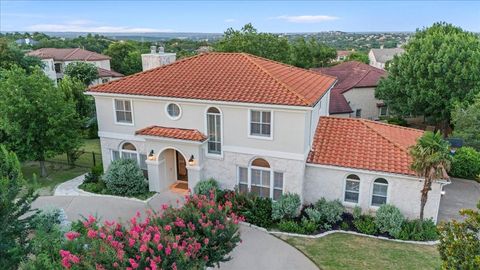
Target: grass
{"x": 344, "y": 251}
{"x": 99, "y": 188}
{"x": 58, "y": 171}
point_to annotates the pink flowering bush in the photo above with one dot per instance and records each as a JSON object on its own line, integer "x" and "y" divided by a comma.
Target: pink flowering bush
{"x": 200, "y": 233}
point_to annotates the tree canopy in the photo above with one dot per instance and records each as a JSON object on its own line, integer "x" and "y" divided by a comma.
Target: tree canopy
{"x": 83, "y": 71}
{"x": 441, "y": 65}
{"x": 466, "y": 122}
{"x": 310, "y": 53}
{"x": 126, "y": 57}
{"x": 358, "y": 56}
{"x": 10, "y": 55}
{"x": 38, "y": 120}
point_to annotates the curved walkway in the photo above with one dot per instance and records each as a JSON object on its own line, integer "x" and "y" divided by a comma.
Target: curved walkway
{"x": 258, "y": 250}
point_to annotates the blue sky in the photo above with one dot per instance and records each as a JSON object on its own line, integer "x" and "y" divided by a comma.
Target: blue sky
{"x": 216, "y": 16}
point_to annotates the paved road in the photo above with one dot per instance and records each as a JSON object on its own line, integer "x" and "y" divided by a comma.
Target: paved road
{"x": 459, "y": 194}
{"x": 258, "y": 250}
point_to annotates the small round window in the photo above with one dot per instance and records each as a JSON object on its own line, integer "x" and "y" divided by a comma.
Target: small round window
{"x": 173, "y": 110}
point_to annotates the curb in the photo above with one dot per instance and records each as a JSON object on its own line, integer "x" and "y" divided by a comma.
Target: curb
{"x": 278, "y": 233}
{"x": 86, "y": 193}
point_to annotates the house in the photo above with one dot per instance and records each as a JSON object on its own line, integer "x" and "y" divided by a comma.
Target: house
{"x": 379, "y": 57}
{"x": 258, "y": 125}
{"x": 354, "y": 93}
{"x": 55, "y": 60}
{"x": 343, "y": 55}
{"x": 26, "y": 41}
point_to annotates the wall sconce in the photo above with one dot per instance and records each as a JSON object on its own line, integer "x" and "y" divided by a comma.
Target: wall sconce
{"x": 191, "y": 161}
{"x": 151, "y": 156}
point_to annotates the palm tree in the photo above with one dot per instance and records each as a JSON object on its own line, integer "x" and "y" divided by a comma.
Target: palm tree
{"x": 431, "y": 160}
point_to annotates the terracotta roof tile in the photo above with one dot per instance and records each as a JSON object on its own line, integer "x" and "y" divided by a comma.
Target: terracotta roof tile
{"x": 350, "y": 75}
{"x": 108, "y": 73}
{"x": 172, "y": 133}
{"x": 235, "y": 77}
{"x": 68, "y": 54}
{"x": 363, "y": 144}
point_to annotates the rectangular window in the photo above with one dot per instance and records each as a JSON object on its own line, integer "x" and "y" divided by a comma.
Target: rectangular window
{"x": 358, "y": 113}
{"x": 352, "y": 190}
{"x": 58, "y": 67}
{"x": 277, "y": 185}
{"x": 383, "y": 111}
{"x": 261, "y": 123}
{"x": 115, "y": 155}
{"x": 260, "y": 183}
{"x": 379, "y": 195}
{"x": 214, "y": 133}
{"x": 123, "y": 111}
{"x": 143, "y": 165}
{"x": 243, "y": 179}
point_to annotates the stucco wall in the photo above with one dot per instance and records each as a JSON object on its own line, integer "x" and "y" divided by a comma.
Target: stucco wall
{"x": 403, "y": 192}
{"x": 364, "y": 99}
{"x": 288, "y": 125}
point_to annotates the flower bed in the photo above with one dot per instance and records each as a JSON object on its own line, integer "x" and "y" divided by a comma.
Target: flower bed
{"x": 199, "y": 234}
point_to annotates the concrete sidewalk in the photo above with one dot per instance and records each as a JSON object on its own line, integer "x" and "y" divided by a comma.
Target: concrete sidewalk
{"x": 258, "y": 249}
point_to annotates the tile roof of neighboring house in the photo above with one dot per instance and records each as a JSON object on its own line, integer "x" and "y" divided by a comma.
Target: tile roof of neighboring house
{"x": 350, "y": 75}
{"x": 173, "y": 133}
{"x": 69, "y": 54}
{"x": 363, "y": 144}
{"x": 108, "y": 73}
{"x": 384, "y": 55}
{"x": 234, "y": 77}
{"x": 344, "y": 53}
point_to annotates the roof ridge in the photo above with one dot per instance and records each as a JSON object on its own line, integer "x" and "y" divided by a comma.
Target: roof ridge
{"x": 385, "y": 137}
{"x": 247, "y": 56}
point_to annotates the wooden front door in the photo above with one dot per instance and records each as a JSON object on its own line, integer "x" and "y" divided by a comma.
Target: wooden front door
{"x": 182, "y": 173}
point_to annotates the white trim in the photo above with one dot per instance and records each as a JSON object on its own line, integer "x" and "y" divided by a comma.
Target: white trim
{"x": 164, "y": 139}
{"x": 173, "y": 117}
{"x": 249, "y": 134}
{"x": 201, "y": 101}
{"x": 271, "y": 171}
{"x": 260, "y": 152}
{"x": 115, "y": 112}
{"x": 207, "y": 154}
{"x": 120, "y": 136}
{"x": 345, "y": 179}
{"x": 375, "y": 207}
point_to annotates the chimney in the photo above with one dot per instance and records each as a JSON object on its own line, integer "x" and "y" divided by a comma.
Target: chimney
{"x": 156, "y": 59}
{"x": 161, "y": 49}
{"x": 153, "y": 49}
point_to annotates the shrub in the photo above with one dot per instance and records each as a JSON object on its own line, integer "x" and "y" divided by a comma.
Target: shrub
{"x": 397, "y": 121}
{"x": 389, "y": 220}
{"x": 357, "y": 212}
{"x": 344, "y": 226}
{"x": 199, "y": 234}
{"x": 94, "y": 175}
{"x": 418, "y": 230}
{"x": 259, "y": 212}
{"x": 125, "y": 178}
{"x": 287, "y": 207}
{"x": 329, "y": 212}
{"x": 308, "y": 226}
{"x": 365, "y": 224}
{"x": 290, "y": 226}
{"x": 204, "y": 187}
{"x": 466, "y": 163}
{"x": 98, "y": 187}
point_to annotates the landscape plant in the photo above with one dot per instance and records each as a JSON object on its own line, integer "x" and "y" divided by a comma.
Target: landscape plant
{"x": 389, "y": 219}
{"x": 466, "y": 163}
{"x": 205, "y": 187}
{"x": 330, "y": 212}
{"x": 125, "y": 178}
{"x": 365, "y": 224}
{"x": 286, "y": 207}
{"x": 259, "y": 212}
{"x": 418, "y": 230}
{"x": 83, "y": 71}
{"x": 466, "y": 122}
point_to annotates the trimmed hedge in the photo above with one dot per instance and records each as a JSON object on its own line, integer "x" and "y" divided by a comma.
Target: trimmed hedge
{"x": 125, "y": 178}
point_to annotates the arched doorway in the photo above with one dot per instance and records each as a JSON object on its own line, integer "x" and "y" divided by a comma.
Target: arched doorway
{"x": 173, "y": 168}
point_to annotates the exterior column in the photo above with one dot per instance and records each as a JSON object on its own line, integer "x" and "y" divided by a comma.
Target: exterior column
{"x": 194, "y": 176}
{"x": 153, "y": 175}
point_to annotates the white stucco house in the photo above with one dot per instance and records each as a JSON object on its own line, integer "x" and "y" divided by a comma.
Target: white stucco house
{"x": 354, "y": 93}
{"x": 55, "y": 60}
{"x": 256, "y": 125}
{"x": 379, "y": 57}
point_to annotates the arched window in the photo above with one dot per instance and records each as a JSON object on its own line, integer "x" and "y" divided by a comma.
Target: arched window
{"x": 214, "y": 131}
{"x": 352, "y": 188}
{"x": 379, "y": 193}
{"x": 260, "y": 179}
{"x": 129, "y": 151}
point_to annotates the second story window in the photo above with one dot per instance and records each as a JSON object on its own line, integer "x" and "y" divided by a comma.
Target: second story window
{"x": 123, "y": 111}
{"x": 214, "y": 131}
{"x": 58, "y": 68}
{"x": 173, "y": 111}
{"x": 261, "y": 123}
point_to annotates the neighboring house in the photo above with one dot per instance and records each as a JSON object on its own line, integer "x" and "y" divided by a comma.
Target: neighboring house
{"x": 26, "y": 41}
{"x": 354, "y": 93}
{"x": 257, "y": 125}
{"x": 343, "y": 55}
{"x": 55, "y": 60}
{"x": 379, "y": 57}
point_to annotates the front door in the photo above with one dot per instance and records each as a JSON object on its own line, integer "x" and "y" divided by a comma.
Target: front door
{"x": 182, "y": 174}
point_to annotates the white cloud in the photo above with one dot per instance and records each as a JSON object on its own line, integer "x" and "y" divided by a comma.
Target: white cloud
{"x": 306, "y": 18}
{"x": 90, "y": 26}
{"x": 230, "y": 20}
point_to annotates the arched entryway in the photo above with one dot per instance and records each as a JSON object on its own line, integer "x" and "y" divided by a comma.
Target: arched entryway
{"x": 173, "y": 169}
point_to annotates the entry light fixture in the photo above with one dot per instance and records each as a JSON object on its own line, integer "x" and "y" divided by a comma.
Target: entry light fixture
{"x": 151, "y": 156}
{"x": 191, "y": 161}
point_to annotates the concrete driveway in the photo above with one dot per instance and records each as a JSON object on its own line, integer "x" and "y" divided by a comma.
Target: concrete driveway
{"x": 258, "y": 249}
{"x": 459, "y": 194}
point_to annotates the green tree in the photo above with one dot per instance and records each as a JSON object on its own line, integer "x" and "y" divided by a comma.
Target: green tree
{"x": 124, "y": 59}
{"x": 37, "y": 119}
{"x": 311, "y": 53}
{"x": 14, "y": 204}
{"x": 83, "y": 71}
{"x": 358, "y": 56}
{"x": 10, "y": 55}
{"x": 441, "y": 65}
{"x": 460, "y": 241}
{"x": 466, "y": 122}
{"x": 431, "y": 160}
{"x": 249, "y": 40}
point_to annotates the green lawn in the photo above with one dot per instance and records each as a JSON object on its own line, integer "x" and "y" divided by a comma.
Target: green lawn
{"x": 345, "y": 251}
{"x": 58, "y": 171}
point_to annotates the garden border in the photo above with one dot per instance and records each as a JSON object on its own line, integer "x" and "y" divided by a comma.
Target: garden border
{"x": 320, "y": 235}
{"x": 87, "y": 193}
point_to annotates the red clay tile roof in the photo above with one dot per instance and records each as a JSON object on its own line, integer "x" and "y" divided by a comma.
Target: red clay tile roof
{"x": 235, "y": 77}
{"x": 108, "y": 73}
{"x": 69, "y": 54}
{"x": 350, "y": 75}
{"x": 363, "y": 144}
{"x": 173, "y": 133}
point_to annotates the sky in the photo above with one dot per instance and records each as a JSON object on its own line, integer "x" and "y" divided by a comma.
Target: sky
{"x": 217, "y": 16}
